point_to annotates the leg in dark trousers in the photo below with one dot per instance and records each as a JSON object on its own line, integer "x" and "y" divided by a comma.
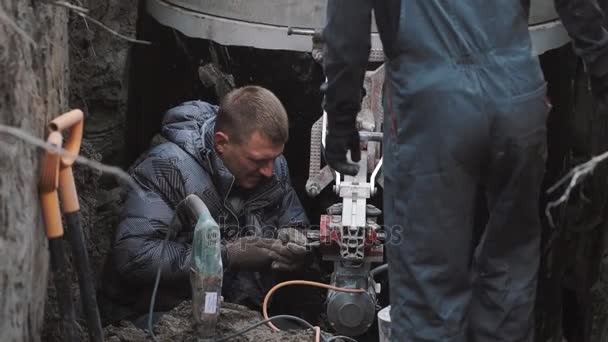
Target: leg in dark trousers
{"x": 507, "y": 258}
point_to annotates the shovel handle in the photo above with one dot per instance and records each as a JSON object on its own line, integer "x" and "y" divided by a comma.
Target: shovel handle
{"x": 49, "y": 180}
{"x": 67, "y": 191}
{"x": 73, "y": 120}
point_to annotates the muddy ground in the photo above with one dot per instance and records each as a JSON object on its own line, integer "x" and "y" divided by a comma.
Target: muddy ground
{"x": 176, "y": 326}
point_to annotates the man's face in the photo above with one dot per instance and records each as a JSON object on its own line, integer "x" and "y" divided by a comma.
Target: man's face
{"x": 250, "y": 161}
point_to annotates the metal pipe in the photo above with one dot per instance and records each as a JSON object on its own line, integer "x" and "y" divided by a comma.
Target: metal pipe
{"x": 370, "y": 136}
{"x": 301, "y": 31}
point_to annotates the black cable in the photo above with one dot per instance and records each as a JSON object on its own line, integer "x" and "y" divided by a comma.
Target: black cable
{"x": 241, "y": 332}
{"x": 156, "y": 282}
{"x": 379, "y": 269}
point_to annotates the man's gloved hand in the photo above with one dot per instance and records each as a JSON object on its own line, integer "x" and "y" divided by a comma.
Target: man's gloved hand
{"x": 291, "y": 234}
{"x": 250, "y": 253}
{"x": 289, "y": 257}
{"x": 255, "y": 254}
{"x": 341, "y": 138}
{"x": 293, "y": 256}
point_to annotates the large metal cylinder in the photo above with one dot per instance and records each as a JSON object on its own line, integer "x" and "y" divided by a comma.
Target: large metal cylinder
{"x": 295, "y": 13}
{"x": 309, "y": 13}
{"x": 351, "y": 314}
{"x": 264, "y": 23}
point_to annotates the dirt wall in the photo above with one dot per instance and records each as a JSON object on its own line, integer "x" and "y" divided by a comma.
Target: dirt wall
{"x": 99, "y": 72}
{"x": 99, "y": 67}
{"x": 98, "y": 83}
{"x": 33, "y": 66}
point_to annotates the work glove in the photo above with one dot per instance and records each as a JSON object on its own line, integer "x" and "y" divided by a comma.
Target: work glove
{"x": 291, "y": 234}
{"x": 250, "y": 253}
{"x": 256, "y": 254}
{"x": 293, "y": 256}
{"x": 342, "y": 137}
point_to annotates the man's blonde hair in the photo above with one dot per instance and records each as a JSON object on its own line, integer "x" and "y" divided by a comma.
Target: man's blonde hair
{"x": 249, "y": 109}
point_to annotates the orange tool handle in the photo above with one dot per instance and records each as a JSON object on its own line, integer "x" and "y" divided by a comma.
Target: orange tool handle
{"x": 74, "y": 121}
{"x": 49, "y": 180}
{"x": 67, "y": 190}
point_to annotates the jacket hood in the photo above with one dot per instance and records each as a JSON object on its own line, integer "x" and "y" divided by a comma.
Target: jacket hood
{"x": 190, "y": 126}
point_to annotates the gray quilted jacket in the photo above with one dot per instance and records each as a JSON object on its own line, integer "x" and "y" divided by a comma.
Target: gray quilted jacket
{"x": 187, "y": 164}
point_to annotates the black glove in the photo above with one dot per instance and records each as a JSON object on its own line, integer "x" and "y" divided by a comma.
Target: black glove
{"x": 343, "y": 136}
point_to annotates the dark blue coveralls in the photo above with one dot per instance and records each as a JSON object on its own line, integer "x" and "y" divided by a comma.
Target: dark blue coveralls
{"x": 465, "y": 108}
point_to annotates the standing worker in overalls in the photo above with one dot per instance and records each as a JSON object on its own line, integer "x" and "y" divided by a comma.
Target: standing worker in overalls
{"x": 465, "y": 107}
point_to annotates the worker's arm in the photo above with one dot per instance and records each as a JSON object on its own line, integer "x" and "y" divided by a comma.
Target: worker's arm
{"x": 147, "y": 215}
{"x": 584, "y": 21}
{"x": 347, "y": 37}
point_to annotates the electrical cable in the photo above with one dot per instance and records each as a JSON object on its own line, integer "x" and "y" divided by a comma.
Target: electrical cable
{"x": 267, "y": 320}
{"x": 300, "y": 282}
{"x": 156, "y": 282}
{"x": 378, "y": 270}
